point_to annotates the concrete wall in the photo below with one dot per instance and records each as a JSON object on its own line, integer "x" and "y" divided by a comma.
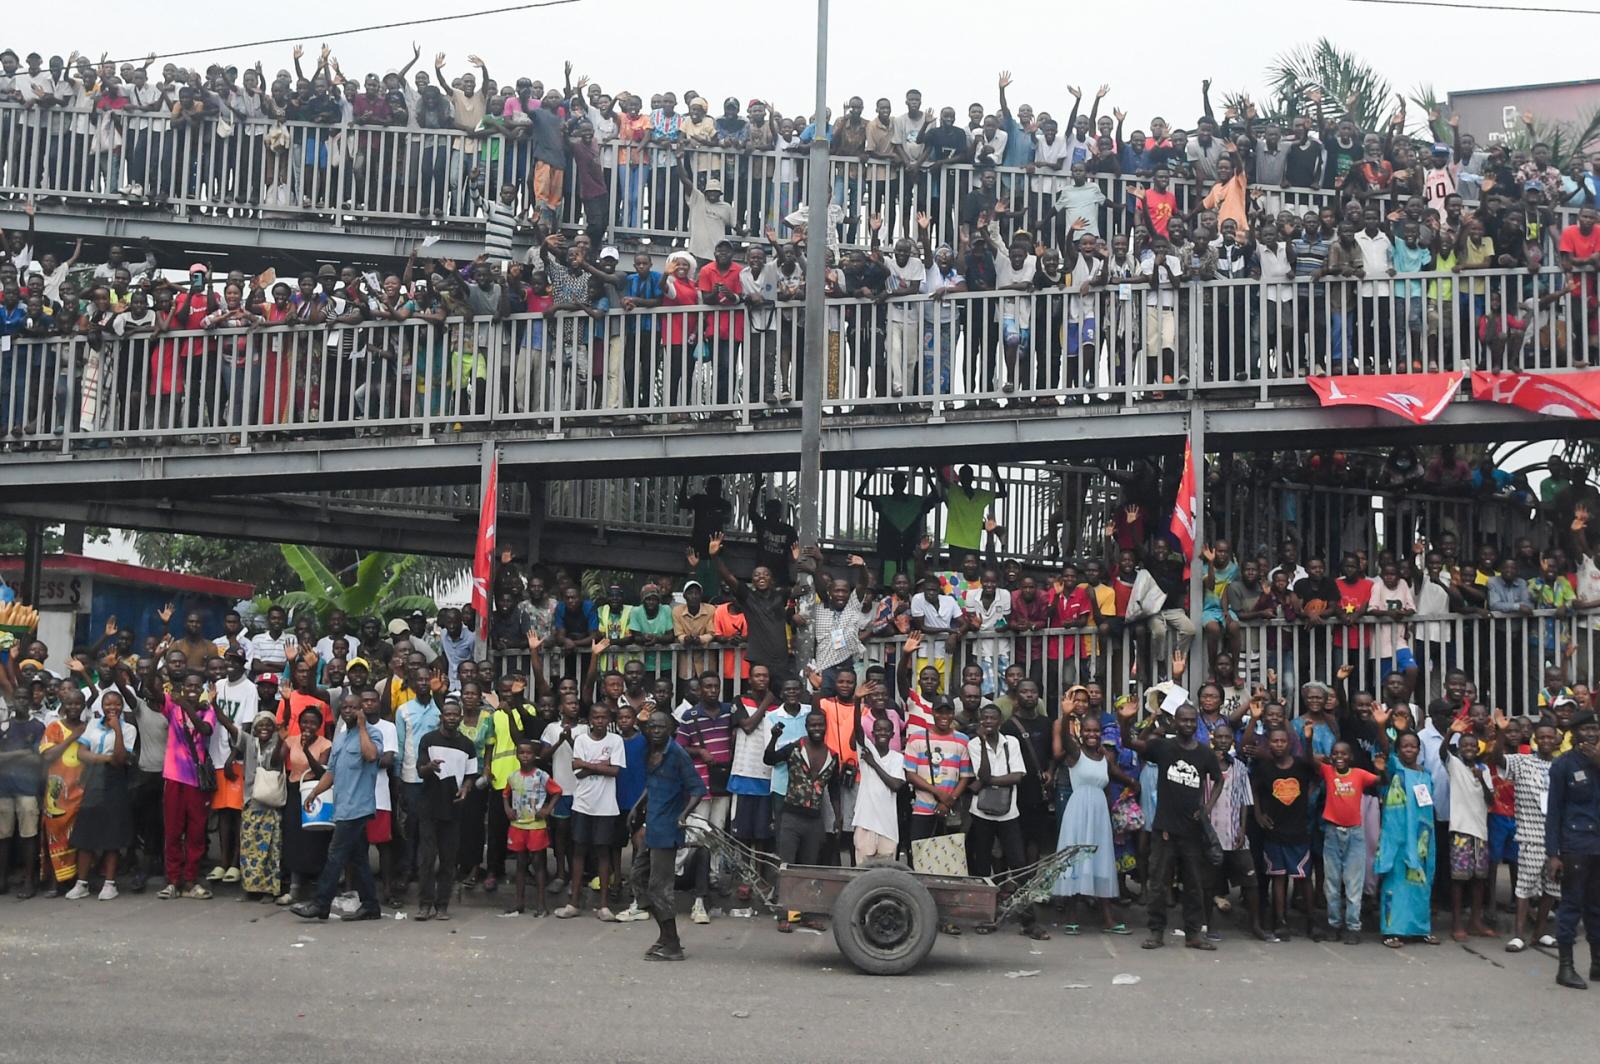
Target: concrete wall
{"x": 1482, "y": 112}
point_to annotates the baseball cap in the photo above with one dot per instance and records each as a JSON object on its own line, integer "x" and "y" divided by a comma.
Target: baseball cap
{"x": 713, "y": 185}
{"x": 397, "y": 626}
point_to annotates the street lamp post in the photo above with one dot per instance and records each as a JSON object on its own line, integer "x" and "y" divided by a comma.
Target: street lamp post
{"x": 818, "y": 188}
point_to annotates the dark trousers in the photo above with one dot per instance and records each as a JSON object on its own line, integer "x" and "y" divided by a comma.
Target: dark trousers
{"x": 799, "y": 838}
{"x": 651, "y": 876}
{"x": 1184, "y": 849}
{"x": 981, "y": 835}
{"x": 470, "y": 850}
{"x": 499, "y": 828}
{"x": 349, "y": 847}
{"x": 410, "y": 795}
{"x": 1580, "y": 900}
{"x": 148, "y": 820}
{"x": 436, "y": 860}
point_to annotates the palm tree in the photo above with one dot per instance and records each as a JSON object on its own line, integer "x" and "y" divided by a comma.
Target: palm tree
{"x": 1347, "y": 84}
{"x": 377, "y": 590}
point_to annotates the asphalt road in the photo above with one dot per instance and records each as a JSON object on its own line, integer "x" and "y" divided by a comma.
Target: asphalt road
{"x": 139, "y": 979}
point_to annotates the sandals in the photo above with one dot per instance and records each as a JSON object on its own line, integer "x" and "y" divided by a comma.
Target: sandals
{"x": 948, "y": 928}
{"x": 1394, "y": 942}
{"x": 1430, "y": 940}
{"x": 1516, "y": 945}
{"x": 1116, "y": 929}
{"x": 1037, "y": 933}
{"x": 986, "y": 929}
{"x": 1071, "y": 929}
{"x": 1547, "y": 941}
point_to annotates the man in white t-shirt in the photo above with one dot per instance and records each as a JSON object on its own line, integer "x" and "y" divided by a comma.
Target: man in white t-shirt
{"x": 598, "y": 755}
{"x": 234, "y": 697}
{"x": 906, "y": 274}
{"x": 941, "y": 620}
{"x": 883, "y": 775}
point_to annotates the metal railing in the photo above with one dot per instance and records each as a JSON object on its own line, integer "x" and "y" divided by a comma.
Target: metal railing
{"x": 240, "y": 165}
{"x": 992, "y": 353}
{"x": 1503, "y": 655}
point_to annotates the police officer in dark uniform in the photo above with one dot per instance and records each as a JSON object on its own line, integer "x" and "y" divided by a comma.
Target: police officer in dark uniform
{"x": 1572, "y": 845}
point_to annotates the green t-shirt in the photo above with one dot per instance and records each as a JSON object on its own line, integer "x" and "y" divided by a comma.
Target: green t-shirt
{"x": 964, "y": 516}
{"x": 642, "y": 623}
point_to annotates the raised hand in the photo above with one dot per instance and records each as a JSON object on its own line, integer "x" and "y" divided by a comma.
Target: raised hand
{"x": 299, "y": 52}
{"x": 1077, "y": 93}
{"x": 875, "y": 222}
{"x": 923, "y": 221}
{"x": 692, "y": 556}
{"x": 475, "y": 61}
{"x": 1527, "y": 118}
{"x": 1454, "y": 121}
{"x": 1580, "y": 518}
{"x": 1119, "y": 114}
{"x": 1005, "y": 79}
{"x": 165, "y": 613}
{"x": 1101, "y": 91}
{"x": 111, "y": 625}
{"x": 714, "y": 546}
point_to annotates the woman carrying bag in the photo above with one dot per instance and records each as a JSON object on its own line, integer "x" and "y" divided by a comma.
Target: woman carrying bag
{"x": 304, "y": 852}
{"x": 266, "y": 790}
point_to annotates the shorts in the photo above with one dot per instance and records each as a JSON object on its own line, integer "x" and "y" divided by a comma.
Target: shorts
{"x": 1469, "y": 858}
{"x": 1160, "y": 329}
{"x": 591, "y": 830}
{"x": 1531, "y": 880}
{"x": 563, "y": 809}
{"x": 19, "y": 817}
{"x": 1237, "y": 868}
{"x": 380, "y": 828}
{"x": 752, "y": 817}
{"x": 1080, "y": 334}
{"x": 229, "y": 793}
{"x": 869, "y": 844}
{"x": 1012, "y": 333}
{"x": 1402, "y": 661}
{"x": 1292, "y": 859}
{"x": 527, "y": 840}
{"x": 316, "y": 150}
{"x": 1502, "y": 839}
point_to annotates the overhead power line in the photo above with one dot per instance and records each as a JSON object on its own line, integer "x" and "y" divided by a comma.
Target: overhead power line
{"x": 1481, "y": 7}
{"x": 301, "y": 38}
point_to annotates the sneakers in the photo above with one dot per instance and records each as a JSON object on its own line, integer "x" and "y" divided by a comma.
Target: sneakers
{"x": 631, "y": 914}
{"x": 283, "y": 899}
{"x": 697, "y": 914}
{"x": 594, "y": 884}
{"x": 216, "y": 874}
{"x": 198, "y": 892}
{"x": 170, "y": 891}
{"x": 566, "y": 912}
{"x": 109, "y": 891}
{"x": 79, "y": 891}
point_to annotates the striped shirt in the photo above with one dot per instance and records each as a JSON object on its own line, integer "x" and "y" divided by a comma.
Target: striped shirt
{"x": 699, "y": 728}
{"x": 1227, "y": 816}
{"x": 941, "y": 760}
{"x": 266, "y": 647}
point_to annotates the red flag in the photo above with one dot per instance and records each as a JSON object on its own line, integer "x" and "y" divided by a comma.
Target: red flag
{"x": 1575, "y": 394}
{"x": 1183, "y": 515}
{"x": 1417, "y": 397}
{"x": 483, "y": 554}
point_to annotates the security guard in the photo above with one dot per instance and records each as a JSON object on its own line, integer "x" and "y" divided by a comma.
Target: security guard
{"x": 1572, "y": 842}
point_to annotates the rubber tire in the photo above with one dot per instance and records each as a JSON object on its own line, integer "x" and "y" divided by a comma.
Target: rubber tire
{"x": 900, "y": 889}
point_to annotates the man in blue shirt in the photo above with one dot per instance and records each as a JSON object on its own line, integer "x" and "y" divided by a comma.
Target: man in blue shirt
{"x": 352, "y": 775}
{"x": 672, "y": 787}
{"x": 1572, "y": 846}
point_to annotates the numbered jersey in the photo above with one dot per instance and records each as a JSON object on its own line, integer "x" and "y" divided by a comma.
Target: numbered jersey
{"x": 1437, "y": 185}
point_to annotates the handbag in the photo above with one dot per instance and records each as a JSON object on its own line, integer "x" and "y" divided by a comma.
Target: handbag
{"x": 1213, "y": 845}
{"x": 995, "y": 801}
{"x": 270, "y": 788}
{"x": 1127, "y": 815}
{"x": 205, "y": 772}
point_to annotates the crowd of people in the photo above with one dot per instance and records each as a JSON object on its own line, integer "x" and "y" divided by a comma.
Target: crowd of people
{"x": 1093, "y": 293}
{"x": 1381, "y": 782}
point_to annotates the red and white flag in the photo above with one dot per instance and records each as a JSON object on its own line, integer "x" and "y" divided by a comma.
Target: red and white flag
{"x": 1575, "y": 394}
{"x": 1183, "y": 508}
{"x": 1417, "y": 397}
{"x": 483, "y": 554}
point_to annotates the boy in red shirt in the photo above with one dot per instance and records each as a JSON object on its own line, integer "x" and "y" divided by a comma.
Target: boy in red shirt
{"x": 1344, "y": 847}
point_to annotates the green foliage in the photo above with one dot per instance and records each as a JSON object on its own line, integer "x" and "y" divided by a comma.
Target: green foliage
{"x": 377, "y": 587}
{"x": 260, "y": 565}
{"x": 1347, "y": 82}
{"x": 13, "y": 538}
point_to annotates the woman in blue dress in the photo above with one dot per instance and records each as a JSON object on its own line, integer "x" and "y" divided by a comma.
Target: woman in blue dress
{"x": 1406, "y": 851}
{"x": 1086, "y": 821}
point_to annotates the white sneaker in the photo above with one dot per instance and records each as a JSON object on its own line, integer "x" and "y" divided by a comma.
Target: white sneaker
{"x": 108, "y": 892}
{"x": 79, "y": 890}
{"x": 632, "y": 913}
{"x": 698, "y": 913}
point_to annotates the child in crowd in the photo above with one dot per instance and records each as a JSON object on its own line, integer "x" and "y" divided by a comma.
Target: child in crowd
{"x": 529, "y": 797}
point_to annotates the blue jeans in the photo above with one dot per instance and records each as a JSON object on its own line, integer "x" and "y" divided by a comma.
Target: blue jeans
{"x": 349, "y": 847}
{"x": 1344, "y": 874}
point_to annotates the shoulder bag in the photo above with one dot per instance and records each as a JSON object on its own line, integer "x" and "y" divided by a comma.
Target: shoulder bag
{"x": 995, "y": 801}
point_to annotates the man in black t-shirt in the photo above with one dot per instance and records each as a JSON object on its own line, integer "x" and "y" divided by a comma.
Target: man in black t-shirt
{"x": 447, "y": 761}
{"x": 774, "y": 535}
{"x": 768, "y": 609}
{"x": 1178, "y": 835}
{"x": 711, "y": 511}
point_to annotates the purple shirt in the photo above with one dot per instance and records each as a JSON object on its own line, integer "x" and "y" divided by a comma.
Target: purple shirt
{"x": 716, "y": 735}
{"x": 182, "y": 743}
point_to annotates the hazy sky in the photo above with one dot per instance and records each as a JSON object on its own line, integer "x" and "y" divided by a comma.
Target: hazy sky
{"x": 1153, "y": 55}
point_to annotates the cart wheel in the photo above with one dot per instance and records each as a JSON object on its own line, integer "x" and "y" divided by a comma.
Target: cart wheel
{"x": 885, "y": 922}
